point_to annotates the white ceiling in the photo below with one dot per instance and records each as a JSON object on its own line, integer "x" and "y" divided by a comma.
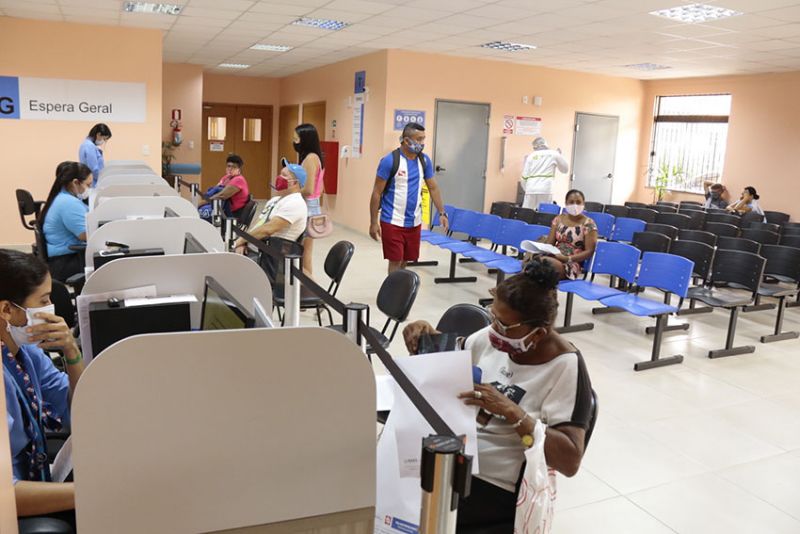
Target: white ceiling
{"x": 599, "y": 36}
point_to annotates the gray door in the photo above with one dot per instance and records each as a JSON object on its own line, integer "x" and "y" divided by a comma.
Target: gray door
{"x": 593, "y": 155}
{"x": 460, "y": 150}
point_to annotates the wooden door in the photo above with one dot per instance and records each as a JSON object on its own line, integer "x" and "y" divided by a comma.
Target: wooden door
{"x": 219, "y": 140}
{"x": 314, "y": 113}
{"x": 288, "y": 119}
{"x": 254, "y": 145}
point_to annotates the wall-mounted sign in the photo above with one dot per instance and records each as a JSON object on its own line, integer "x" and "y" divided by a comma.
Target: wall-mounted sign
{"x": 402, "y": 117}
{"x": 360, "y": 82}
{"x": 216, "y": 146}
{"x": 528, "y": 126}
{"x": 508, "y": 124}
{"x": 52, "y": 99}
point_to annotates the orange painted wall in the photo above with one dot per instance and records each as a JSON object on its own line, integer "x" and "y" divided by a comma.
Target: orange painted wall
{"x": 416, "y": 80}
{"x": 762, "y": 135}
{"x": 334, "y": 84}
{"x": 31, "y": 150}
{"x": 183, "y": 89}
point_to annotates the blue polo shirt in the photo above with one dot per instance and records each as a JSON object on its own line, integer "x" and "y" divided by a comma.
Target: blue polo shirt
{"x": 64, "y": 222}
{"x": 401, "y": 202}
{"x": 92, "y": 156}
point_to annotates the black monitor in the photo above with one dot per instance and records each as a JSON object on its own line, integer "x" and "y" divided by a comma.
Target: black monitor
{"x": 192, "y": 246}
{"x": 169, "y": 212}
{"x": 221, "y": 311}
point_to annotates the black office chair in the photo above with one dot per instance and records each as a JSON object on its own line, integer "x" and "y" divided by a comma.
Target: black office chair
{"x": 740, "y": 271}
{"x": 698, "y": 235}
{"x": 65, "y": 306}
{"x": 524, "y": 214}
{"x": 697, "y": 218}
{"x": 645, "y": 214}
{"x": 726, "y": 218}
{"x": 247, "y": 214}
{"x": 795, "y": 226}
{"x": 783, "y": 264}
{"x": 790, "y": 230}
{"x": 666, "y": 229}
{"x": 663, "y": 208}
{"x": 765, "y": 226}
{"x": 667, "y": 203}
{"x": 275, "y": 268}
{"x": 678, "y": 220}
{"x": 336, "y": 263}
{"x": 777, "y": 217}
{"x": 747, "y": 220}
{"x": 717, "y": 211}
{"x": 721, "y": 229}
{"x": 615, "y": 210}
{"x": 596, "y": 207}
{"x": 543, "y": 219}
{"x": 43, "y": 525}
{"x": 738, "y": 243}
{"x": 651, "y": 242}
{"x": 790, "y": 241}
{"x": 502, "y": 209}
{"x": 764, "y": 237}
{"x": 28, "y": 207}
{"x": 464, "y": 320}
{"x": 636, "y": 204}
{"x": 689, "y": 204}
{"x": 702, "y": 254}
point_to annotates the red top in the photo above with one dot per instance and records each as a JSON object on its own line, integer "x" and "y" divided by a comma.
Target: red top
{"x": 239, "y": 199}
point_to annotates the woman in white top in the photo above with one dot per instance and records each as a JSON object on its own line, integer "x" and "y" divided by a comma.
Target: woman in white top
{"x": 747, "y": 202}
{"x": 529, "y": 372}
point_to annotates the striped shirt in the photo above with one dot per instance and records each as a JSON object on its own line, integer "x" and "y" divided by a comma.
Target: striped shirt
{"x": 401, "y": 202}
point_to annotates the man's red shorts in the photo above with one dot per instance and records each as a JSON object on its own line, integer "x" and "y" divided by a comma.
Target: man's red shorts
{"x": 399, "y": 243}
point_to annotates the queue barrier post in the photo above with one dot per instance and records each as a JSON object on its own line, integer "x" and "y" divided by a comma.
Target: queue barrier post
{"x": 291, "y": 289}
{"x": 354, "y": 315}
{"x": 445, "y": 474}
{"x": 216, "y": 212}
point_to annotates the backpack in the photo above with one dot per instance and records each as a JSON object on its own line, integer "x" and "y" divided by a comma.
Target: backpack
{"x": 396, "y": 166}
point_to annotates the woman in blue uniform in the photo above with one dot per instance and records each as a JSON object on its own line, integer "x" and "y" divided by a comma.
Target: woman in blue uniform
{"x": 90, "y": 152}
{"x": 37, "y": 394}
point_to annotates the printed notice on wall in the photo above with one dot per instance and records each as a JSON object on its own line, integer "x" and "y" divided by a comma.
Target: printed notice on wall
{"x": 358, "y": 130}
{"x": 508, "y": 124}
{"x": 528, "y": 126}
{"x": 53, "y": 99}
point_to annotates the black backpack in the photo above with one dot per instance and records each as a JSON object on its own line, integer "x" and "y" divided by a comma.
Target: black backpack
{"x": 396, "y": 166}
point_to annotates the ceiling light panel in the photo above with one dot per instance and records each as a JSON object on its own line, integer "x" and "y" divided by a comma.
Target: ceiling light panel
{"x": 323, "y": 24}
{"x": 507, "y": 46}
{"x": 696, "y": 13}
{"x": 271, "y": 47}
{"x": 647, "y": 66}
{"x": 233, "y": 66}
{"x": 152, "y": 7}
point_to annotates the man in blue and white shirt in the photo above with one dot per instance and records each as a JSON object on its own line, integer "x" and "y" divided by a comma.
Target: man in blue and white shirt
{"x": 397, "y": 197}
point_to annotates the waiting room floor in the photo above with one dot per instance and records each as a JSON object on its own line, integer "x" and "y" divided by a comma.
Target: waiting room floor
{"x": 706, "y": 446}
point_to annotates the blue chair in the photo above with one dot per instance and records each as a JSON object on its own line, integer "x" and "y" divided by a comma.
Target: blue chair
{"x": 510, "y": 265}
{"x": 604, "y": 222}
{"x": 464, "y": 222}
{"x": 459, "y": 220}
{"x": 449, "y": 210}
{"x": 503, "y": 234}
{"x": 667, "y": 273}
{"x": 625, "y": 227}
{"x": 544, "y": 207}
{"x": 615, "y": 259}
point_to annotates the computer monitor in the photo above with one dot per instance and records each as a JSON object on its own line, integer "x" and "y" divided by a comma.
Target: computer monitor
{"x": 169, "y": 212}
{"x": 192, "y": 246}
{"x": 221, "y": 311}
{"x": 263, "y": 320}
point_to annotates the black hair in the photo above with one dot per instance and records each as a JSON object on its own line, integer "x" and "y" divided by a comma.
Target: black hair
{"x": 309, "y": 142}
{"x": 99, "y": 129}
{"x": 752, "y": 190}
{"x": 412, "y": 127}
{"x": 575, "y": 192}
{"x": 236, "y": 160}
{"x": 532, "y": 293}
{"x": 20, "y": 275}
{"x": 65, "y": 173}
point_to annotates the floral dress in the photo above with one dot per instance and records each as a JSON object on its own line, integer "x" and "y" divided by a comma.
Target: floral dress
{"x": 571, "y": 240}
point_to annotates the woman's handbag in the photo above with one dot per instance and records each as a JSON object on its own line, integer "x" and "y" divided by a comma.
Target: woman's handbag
{"x": 319, "y": 226}
{"x": 537, "y": 494}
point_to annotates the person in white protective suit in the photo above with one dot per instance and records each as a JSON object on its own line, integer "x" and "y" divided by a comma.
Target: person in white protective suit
{"x": 539, "y": 171}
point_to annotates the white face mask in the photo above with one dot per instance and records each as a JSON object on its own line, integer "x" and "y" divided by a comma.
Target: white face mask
{"x": 574, "y": 209}
{"x": 509, "y": 345}
{"x": 18, "y": 333}
{"x": 99, "y": 142}
{"x": 83, "y": 195}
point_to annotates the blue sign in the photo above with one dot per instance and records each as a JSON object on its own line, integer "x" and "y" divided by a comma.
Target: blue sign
{"x": 404, "y": 116}
{"x": 9, "y": 97}
{"x": 361, "y": 82}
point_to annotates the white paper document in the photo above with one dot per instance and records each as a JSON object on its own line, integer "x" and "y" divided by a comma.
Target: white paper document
{"x": 62, "y": 465}
{"x": 149, "y": 301}
{"x": 538, "y": 248}
{"x": 384, "y": 389}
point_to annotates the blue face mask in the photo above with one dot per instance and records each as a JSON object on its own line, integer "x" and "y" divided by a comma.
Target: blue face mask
{"x": 415, "y": 147}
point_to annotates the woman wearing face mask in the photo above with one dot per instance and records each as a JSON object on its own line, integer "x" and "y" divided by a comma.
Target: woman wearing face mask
{"x": 306, "y": 144}
{"x": 64, "y": 219}
{"x": 37, "y": 394}
{"x": 529, "y": 372}
{"x": 574, "y": 234}
{"x": 90, "y": 152}
{"x": 747, "y": 202}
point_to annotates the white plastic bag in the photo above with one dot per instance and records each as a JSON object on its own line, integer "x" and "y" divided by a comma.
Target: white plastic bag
{"x": 537, "y": 494}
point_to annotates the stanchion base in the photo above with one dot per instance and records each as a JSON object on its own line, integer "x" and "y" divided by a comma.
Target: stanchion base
{"x": 722, "y": 353}
{"x": 455, "y": 279}
{"x": 668, "y": 328}
{"x": 694, "y": 311}
{"x": 661, "y": 362}
{"x": 574, "y": 328}
{"x": 780, "y": 337}
{"x": 606, "y": 309}
{"x": 426, "y": 263}
{"x": 759, "y": 307}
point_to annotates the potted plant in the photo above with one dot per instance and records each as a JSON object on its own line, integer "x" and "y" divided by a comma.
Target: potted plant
{"x": 666, "y": 173}
{"x": 167, "y": 157}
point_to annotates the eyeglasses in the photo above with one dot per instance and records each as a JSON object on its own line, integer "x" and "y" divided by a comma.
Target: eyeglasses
{"x": 504, "y": 328}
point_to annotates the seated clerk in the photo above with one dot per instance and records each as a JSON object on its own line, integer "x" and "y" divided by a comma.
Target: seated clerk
{"x": 37, "y": 394}
{"x": 286, "y": 213}
{"x": 63, "y": 219}
{"x": 529, "y": 372}
{"x": 231, "y": 187}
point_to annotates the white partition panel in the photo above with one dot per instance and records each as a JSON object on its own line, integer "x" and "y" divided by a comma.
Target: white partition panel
{"x": 118, "y": 170}
{"x": 131, "y": 190}
{"x": 130, "y": 179}
{"x": 209, "y": 431}
{"x": 112, "y": 163}
{"x": 120, "y": 208}
{"x": 168, "y": 234}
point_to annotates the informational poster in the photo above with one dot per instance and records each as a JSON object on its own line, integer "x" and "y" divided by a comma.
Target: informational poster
{"x": 52, "y": 99}
{"x": 216, "y": 146}
{"x": 508, "y": 124}
{"x": 358, "y": 130}
{"x": 528, "y": 126}
{"x": 360, "y": 82}
{"x": 402, "y": 117}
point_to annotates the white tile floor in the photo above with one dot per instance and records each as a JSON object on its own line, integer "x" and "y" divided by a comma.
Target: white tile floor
{"x": 708, "y": 446}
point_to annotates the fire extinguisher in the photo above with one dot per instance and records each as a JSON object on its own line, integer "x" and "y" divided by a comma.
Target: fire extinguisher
{"x": 177, "y": 136}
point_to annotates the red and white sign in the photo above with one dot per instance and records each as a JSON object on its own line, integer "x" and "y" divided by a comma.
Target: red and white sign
{"x": 508, "y": 124}
{"x": 176, "y": 114}
{"x": 529, "y": 125}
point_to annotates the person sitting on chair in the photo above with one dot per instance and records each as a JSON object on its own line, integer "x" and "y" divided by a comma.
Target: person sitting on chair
{"x": 574, "y": 235}
{"x": 232, "y": 188}
{"x": 717, "y": 195}
{"x": 529, "y": 372}
{"x": 37, "y": 394}
{"x": 747, "y": 202}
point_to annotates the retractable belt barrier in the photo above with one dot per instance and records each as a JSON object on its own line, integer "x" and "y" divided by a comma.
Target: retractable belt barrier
{"x": 194, "y": 189}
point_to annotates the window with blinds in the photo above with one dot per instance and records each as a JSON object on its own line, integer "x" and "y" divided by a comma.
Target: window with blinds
{"x": 689, "y": 138}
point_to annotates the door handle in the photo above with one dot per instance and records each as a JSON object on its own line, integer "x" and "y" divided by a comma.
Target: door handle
{"x": 440, "y": 169}
{"x": 610, "y": 176}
